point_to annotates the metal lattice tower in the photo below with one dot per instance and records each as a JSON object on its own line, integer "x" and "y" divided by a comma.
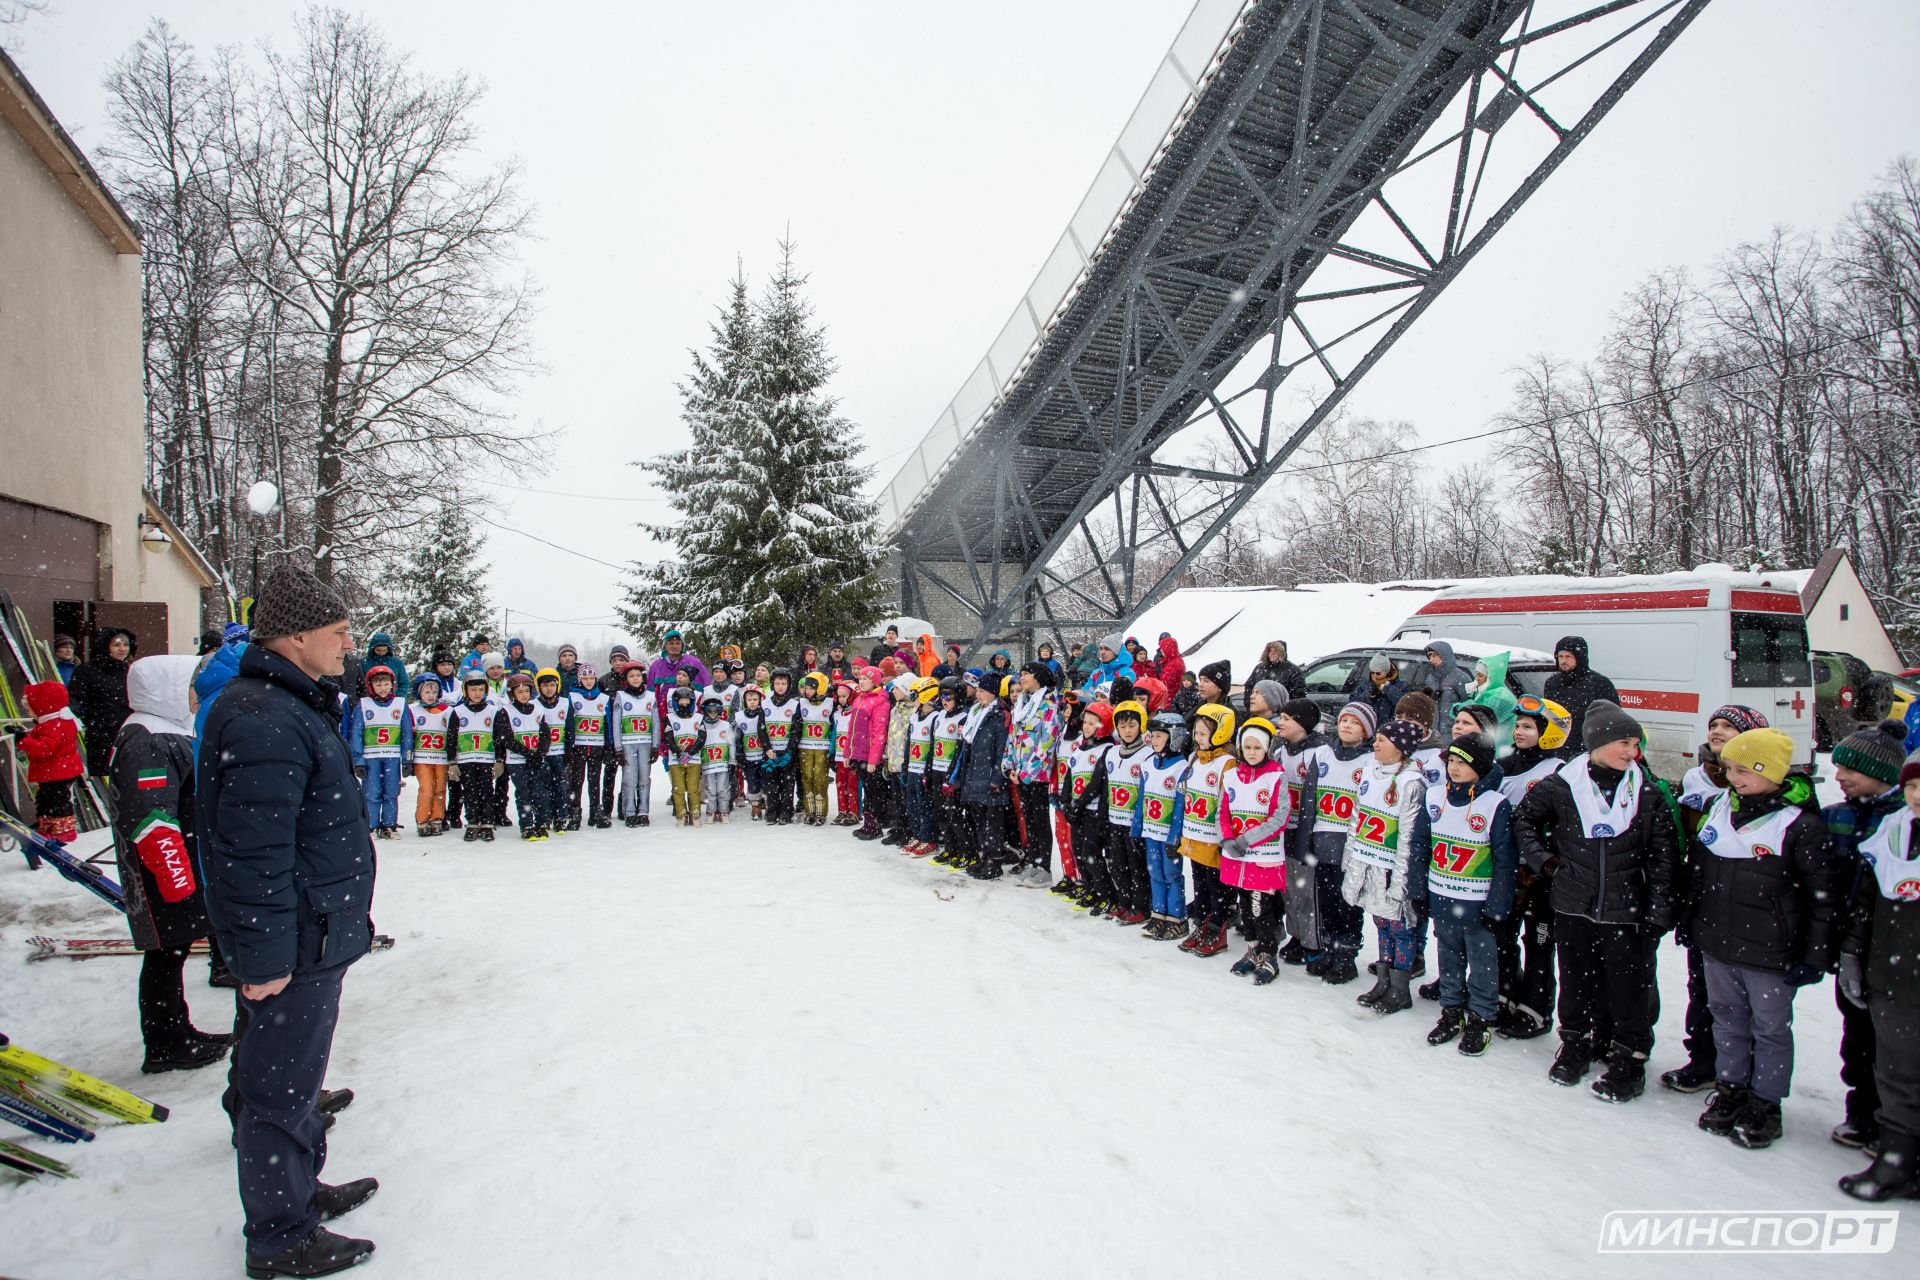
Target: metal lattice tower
{"x": 1300, "y": 181}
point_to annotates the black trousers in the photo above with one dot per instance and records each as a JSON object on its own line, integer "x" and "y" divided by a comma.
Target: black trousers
{"x": 1343, "y": 924}
{"x": 1858, "y": 1045}
{"x": 280, "y": 1051}
{"x": 164, "y": 1021}
{"x": 500, "y": 791}
{"x": 1126, "y": 856}
{"x": 779, "y": 785}
{"x": 1699, "y": 1040}
{"x": 478, "y": 786}
{"x": 1606, "y": 983}
{"x": 1038, "y": 816}
{"x": 1526, "y": 960}
{"x": 453, "y": 801}
{"x": 1212, "y": 900}
{"x": 1263, "y": 914}
{"x": 593, "y": 769}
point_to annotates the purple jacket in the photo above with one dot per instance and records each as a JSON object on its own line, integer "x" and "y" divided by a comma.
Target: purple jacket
{"x": 661, "y": 673}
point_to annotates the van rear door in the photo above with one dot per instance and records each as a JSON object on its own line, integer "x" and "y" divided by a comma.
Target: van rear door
{"x": 1772, "y": 669}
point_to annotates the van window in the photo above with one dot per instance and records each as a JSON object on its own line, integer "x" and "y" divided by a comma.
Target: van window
{"x": 1769, "y": 650}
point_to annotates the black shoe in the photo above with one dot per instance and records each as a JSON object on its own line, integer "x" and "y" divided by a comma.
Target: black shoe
{"x": 191, "y": 1053}
{"x": 1317, "y": 965}
{"x": 1862, "y": 1136}
{"x": 222, "y": 978}
{"x": 633, "y": 821}
{"x": 1893, "y": 1172}
{"x": 1064, "y": 887}
{"x": 1445, "y": 1031}
{"x": 1419, "y": 969}
{"x": 1293, "y": 952}
{"x": 1691, "y": 1078}
{"x": 1382, "y": 979}
{"x": 1516, "y": 1023}
{"x": 985, "y": 870}
{"x": 473, "y": 834}
{"x": 646, "y": 819}
{"x": 1758, "y": 1125}
{"x": 338, "y": 1202}
{"x": 486, "y": 834}
{"x": 1570, "y": 1064}
{"x": 1728, "y": 1101}
{"x": 1340, "y": 971}
{"x": 1430, "y": 990}
{"x": 1475, "y": 1036}
{"x": 333, "y": 1101}
{"x": 321, "y": 1253}
{"x": 1624, "y": 1079}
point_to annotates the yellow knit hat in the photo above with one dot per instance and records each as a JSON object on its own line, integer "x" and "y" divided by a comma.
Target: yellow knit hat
{"x": 1768, "y": 752}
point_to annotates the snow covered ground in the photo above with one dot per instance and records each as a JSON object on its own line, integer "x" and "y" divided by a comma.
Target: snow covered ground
{"x": 734, "y": 1053}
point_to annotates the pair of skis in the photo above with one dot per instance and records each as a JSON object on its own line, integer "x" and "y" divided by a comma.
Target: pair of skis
{"x": 53, "y": 1100}
{"x": 45, "y": 948}
{"x": 38, "y": 849}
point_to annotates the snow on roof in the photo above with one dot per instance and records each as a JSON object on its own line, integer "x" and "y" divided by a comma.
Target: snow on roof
{"x": 1315, "y": 619}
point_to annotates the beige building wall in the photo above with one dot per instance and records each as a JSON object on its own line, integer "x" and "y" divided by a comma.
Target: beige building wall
{"x": 1844, "y": 620}
{"x": 71, "y": 402}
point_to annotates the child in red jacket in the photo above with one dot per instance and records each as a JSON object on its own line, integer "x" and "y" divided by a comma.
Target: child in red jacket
{"x": 52, "y": 749}
{"x": 867, "y": 748}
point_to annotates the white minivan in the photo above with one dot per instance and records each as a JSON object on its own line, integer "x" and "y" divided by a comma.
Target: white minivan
{"x": 1675, "y": 645}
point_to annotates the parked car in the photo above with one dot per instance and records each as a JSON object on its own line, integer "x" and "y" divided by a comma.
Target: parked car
{"x": 1675, "y": 645}
{"x": 1848, "y": 695}
{"x": 1330, "y": 679}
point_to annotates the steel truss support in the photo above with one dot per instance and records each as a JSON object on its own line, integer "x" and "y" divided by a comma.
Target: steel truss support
{"x": 1377, "y": 257}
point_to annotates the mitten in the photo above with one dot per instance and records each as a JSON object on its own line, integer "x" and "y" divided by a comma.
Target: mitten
{"x": 1853, "y": 984}
{"x": 453, "y": 773}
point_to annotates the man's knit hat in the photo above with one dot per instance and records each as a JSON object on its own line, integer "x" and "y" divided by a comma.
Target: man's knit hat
{"x": 294, "y": 601}
{"x": 1878, "y": 752}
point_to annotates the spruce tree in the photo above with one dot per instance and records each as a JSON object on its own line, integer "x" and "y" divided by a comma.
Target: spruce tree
{"x": 775, "y": 545}
{"x": 440, "y": 599}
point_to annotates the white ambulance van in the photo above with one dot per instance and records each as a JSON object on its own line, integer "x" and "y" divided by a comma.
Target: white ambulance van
{"x": 1675, "y": 645}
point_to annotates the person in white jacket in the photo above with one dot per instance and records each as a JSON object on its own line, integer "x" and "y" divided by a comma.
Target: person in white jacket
{"x": 1389, "y": 812}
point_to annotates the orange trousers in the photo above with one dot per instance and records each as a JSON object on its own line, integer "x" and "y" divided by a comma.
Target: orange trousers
{"x": 432, "y": 804}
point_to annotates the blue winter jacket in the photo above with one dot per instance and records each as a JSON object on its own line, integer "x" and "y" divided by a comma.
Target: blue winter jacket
{"x": 285, "y": 855}
{"x": 1179, "y": 809}
{"x": 1107, "y": 672}
{"x": 220, "y": 668}
{"x": 521, "y": 663}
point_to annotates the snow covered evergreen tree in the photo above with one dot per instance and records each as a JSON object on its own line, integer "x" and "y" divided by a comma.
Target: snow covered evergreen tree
{"x": 774, "y": 544}
{"x": 439, "y": 599}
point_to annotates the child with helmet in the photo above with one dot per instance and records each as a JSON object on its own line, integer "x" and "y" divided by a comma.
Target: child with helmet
{"x": 1213, "y": 726}
{"x": 716, "y": 757}
{"x": 815, "y": 723}
{"x": 1158, "y": 817}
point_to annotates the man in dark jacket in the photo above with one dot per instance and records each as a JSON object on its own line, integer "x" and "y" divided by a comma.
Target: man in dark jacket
{"x": 1602, "y": 831}
{"x": 888, "y": 646}
{"x": 1377, "y": 683}
{"x": 1274, "y": 665}
{"x": 287, "y": 862}
{"x": 979, "y": 783}
{"x": 1575, "y": 684}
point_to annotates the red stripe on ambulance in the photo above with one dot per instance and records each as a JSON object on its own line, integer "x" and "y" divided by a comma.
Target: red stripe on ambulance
{"x": 1765, "y": 602}
{"x": 1580, "y": 603}
{"x": 1658, "y": 700}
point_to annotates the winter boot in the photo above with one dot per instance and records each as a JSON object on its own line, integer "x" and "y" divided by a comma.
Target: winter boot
{"x": 333, "y": 1101}
{"x": 1625, "y": 1077}
{"x": 1265, "y": 969}
{"x": 472, "y": 834}
{"x": 1318, "y": 962}
{"x": 1519, "y": 1023}
{"x": 985, "y": 869}
{"x": 1193, "y": 939}
{"x": 1064, "y": 887}
{"x": 486, "y": 834}
{"x": 338, "y": 1202}
{"x": 1293, "y": 952}
{"x": 319, "y": 1253}
{"x": 1397, "y": 997}
{"x": 1382, "y": 979}
{"x": 424, "y": 829}
{"x": 190, "y": 1053}
{"x": 1861, "y": 1135}
{"x": 1156, "y": 928}
{"x": 1758, "y": 1124}
{"x": 1172, "y": 928}
{"x": 1691, "y": 1078}
{"x": 646, "y": 820}
{"x": 1340, "y": 971}
{"x": 1213, "y": 943}
{"x": 1893, "y": 1172}
{"x": 1475, "y": 1036}
{"x": 633, "y": 820}
{"x": 1430, "y": 990}
{"x": 1452, "y": 1018}
{"x": 1570, "y": 1064}
{"x": 1244, "y": 965}
{"x": 1723, "y": 1108}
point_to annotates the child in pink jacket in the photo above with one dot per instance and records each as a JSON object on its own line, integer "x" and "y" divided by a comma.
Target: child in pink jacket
{"x": 867, "y": 748}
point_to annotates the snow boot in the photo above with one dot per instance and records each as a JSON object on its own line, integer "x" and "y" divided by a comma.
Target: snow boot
{"x": 633, "y": 820}
{"x": 646, "y": 820}
{"x": 1193, "y": 939}
{"x": 1452, "y": 1019}
{"x": 1519, "y": 1023}
{"x": 1758, "y": 1124}
{"x": 1265, "y": 969}
{"x": 1891, "y": 1174}
{"x": 472, "y": 834}
{"x": 1129, "y": 916}
{"x": 486, "y": 834}
{"x": 338, "y": 1202}
{"x": 1397, "y": 998}
{"x": 1155, "y": 928}
{"x": 1382, "y": 979}
{"x": 1571, "y": 1062}
{"x": 333, "y": 1101}
{"x": 1293, "y": 952}
{"x": 1213, "y": 941}
{"x": 1064, "y": 887}
{"x": 1691, "y": 1078}
{"x": 1860, "y": 1135}
{"x": 424, "y": 829}
{"x": 1318, "y": 962}
{"x": 319, "y": 1253}
{"x": 1475, "y": 1036}
{"x": 984, "y": 869}
{"x": 1172, "y": 928}
{"x": 1340, "y": 971}
{"x": 1430, "y": 990}
{"x": 190, "y": 1054}
{"x": 1625, "y": 1077}
{"x": 1723, "y": 1108}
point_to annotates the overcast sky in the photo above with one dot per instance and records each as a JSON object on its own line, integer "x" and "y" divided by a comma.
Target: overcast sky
{"x": 926, "y": 159}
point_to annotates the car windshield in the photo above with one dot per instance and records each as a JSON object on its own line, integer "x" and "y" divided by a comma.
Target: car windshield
{"x": 1330, "y": 675}
{"x": 1531, "y": 681}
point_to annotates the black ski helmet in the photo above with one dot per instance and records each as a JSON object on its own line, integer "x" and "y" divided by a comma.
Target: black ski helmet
{"x": 1174, "y": 725}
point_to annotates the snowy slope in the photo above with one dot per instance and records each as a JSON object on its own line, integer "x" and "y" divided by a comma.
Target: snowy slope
{"x": 735, "y": 1053}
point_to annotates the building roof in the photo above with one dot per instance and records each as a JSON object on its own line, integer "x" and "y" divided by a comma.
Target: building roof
{"x": 1821, "y": 574}
{"x": 22, "y": 108}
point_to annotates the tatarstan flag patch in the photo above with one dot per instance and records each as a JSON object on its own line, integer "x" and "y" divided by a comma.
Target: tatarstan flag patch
{"x": 148, "y": 779}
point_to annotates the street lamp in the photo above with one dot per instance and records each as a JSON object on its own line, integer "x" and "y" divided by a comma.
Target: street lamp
{"x": 262, "y": 498}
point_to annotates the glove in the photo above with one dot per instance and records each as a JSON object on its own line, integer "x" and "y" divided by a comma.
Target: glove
{"x": 1853, "y": 984}
{"x": 453, "y": 773}
{"x": 499, "y": 771}
{"x": 359, "y": 773}
{"x": 1801, "y": 974}
{"x": 1233, "y": 847}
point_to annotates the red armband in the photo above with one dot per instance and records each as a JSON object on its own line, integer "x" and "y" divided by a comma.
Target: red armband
{"x": 163, "y": 851}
